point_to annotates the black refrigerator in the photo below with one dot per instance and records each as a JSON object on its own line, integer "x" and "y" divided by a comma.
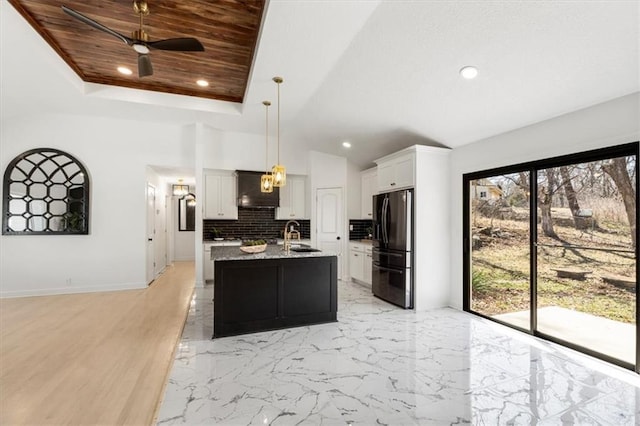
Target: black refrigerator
{"x": 392, "y": 275}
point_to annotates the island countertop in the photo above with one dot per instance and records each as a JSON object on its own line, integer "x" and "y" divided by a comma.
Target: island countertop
{"x": 272, "y": 252}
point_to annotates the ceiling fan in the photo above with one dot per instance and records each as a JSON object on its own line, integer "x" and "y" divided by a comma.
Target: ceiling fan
{"x": 139, "y": 39}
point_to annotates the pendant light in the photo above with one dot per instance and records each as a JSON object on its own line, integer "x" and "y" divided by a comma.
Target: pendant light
{"x": 266, "y": 181}
{"x": 180, "y": 190}
{"x": 278, "y": 171}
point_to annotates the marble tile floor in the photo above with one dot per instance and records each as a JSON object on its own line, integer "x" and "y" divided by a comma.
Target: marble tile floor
{"x": 381, "y": 365}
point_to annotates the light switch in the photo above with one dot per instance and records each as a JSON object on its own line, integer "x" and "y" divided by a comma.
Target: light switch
{"x": 350, "y": 227}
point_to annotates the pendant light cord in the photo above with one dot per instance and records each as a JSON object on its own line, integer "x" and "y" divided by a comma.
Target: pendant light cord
{"x": 278, "y": 123}
{"x": 266, "y": 157}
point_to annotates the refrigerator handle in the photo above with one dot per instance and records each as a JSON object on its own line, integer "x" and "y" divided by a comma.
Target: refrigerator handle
{"x": 382, "y": 268}
{"x": 385, "y": 203}
{"x": 386, "y": 215}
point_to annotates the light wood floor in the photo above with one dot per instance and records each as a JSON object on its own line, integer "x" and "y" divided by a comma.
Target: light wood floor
{"x": 96, "y": 358}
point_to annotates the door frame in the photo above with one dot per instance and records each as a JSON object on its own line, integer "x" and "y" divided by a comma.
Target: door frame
{"x": 150, "y": 279}
{"x": 532, "y": 167}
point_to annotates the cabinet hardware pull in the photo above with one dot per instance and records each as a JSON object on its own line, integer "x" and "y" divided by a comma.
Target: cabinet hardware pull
{"x": 393, "y": 184}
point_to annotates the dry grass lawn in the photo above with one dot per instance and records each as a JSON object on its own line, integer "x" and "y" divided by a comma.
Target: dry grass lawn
{"x": 501, "y": 269}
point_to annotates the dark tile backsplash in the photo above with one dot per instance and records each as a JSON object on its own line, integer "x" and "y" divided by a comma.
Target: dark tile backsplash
{"x": 253, "y": 223}
{"x": 360, "y": 228}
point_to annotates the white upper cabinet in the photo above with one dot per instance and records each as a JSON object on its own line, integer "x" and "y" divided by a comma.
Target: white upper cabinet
{"x": 220, "y": 196}
{"x": 396, "y": 171}
{"x": 369, "y": 187}
{"x": 293, "y": 199}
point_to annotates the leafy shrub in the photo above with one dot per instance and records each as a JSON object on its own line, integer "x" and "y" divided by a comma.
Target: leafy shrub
{"x": 480, "y": 281}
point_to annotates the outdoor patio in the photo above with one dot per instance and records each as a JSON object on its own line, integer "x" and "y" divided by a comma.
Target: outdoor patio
{"x": 613, "y": 338}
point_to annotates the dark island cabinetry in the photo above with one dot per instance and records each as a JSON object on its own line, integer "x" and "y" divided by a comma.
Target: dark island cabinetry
{"x": 272, "y": 293}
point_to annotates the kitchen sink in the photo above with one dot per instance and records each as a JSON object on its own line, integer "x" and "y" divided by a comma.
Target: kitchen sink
{"x": 303, "y": 249}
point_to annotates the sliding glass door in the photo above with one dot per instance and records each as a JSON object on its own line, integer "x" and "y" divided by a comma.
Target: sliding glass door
{"x": 586, "y": 268}
{"x": 499, "y": 208}
{"x": 551, "y": 248}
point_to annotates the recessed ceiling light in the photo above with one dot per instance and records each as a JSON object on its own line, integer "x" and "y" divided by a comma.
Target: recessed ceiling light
{"x": 202, "y": 83}
{"x": 125, "y": 70}
{"x": 469, "y": 72}
{"x": 346, "y": 144}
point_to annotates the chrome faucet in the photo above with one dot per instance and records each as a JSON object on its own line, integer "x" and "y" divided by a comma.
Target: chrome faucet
{"x": 289, "y": 233}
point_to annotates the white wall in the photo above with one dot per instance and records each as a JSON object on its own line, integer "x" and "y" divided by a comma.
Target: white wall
{"x": 244, "y": 151}
{"x": 610, "y": 123}
{"x": 432, "y": 233}
{"x": 115, "y": 153}
{"x": 353, "y": 192}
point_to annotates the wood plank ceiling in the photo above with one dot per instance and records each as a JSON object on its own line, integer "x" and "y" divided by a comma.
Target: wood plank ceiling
{"x": 228, "y": 30}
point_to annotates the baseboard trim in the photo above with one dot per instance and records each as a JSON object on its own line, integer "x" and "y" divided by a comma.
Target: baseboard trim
{"x": 72, "y": 290}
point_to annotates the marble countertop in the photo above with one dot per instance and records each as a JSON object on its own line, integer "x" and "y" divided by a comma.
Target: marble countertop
{"x": 280, "y": 241}
{"x": 272, "y": 252}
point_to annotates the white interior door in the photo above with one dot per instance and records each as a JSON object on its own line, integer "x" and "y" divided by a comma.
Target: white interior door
{"x": 329, "y": 226}
{"x": 151, "y": 230}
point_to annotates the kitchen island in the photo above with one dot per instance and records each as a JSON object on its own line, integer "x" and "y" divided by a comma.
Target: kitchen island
{"x": 272, "y": 289}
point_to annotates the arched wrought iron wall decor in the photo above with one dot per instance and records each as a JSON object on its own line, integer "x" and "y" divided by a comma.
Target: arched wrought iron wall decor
{"x": 46, "y": 191}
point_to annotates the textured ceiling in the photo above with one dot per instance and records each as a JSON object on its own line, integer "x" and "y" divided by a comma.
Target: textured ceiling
{"x": 381, "y": 74}
{"x": 228, "y": 30}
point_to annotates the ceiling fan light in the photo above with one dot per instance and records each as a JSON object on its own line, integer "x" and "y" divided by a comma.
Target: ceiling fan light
{"x": 141, "y": 48}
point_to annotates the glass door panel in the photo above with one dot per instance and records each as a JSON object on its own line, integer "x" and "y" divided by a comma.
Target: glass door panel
{"x": 500, "y": 254}
{"x": 586, "y": 266}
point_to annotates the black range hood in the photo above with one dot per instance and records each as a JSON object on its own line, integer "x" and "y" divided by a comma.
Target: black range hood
{"x": 249, "y": 194}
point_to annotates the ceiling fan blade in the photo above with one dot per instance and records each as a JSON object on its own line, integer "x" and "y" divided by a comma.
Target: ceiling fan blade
{"x": 98, "y": 26}
{"x": 182, "y": 44}
{"x": 144, "y": 66}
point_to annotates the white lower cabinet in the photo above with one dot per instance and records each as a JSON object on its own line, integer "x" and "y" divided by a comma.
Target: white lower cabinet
{"x": 208, "y": 263}
{"x": 356, "y": 264}
{"x": 360, "y": 261}
{"x": 367, "y": 267}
